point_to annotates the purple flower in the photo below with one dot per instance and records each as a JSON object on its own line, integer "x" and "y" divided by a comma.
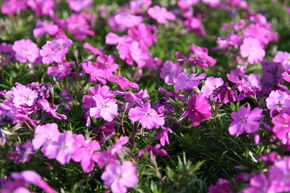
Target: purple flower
{"x": 119, "y": 176}
{"x": 160, "y": 14}
{"x": 245, "y": 120}
{"x": 222, "y": 186}
{"x": 55, "y": 50}
{"x": 25, "y": 50}
{"x": 139, "y": 5}
{"x": 118, "y": 146}
{"x": 170, "y": 71}
{"x": 127, "y": 20}
{"x": 186, "y": 4}
{"x": 13, "y": 6}
{"x": 187, "y": 82}
{"x": 84, "y": 152}
{"x": 198, "y": 109}
{"x": 79, "y": 5}
{"x": 124, "y": 83}
{"x": 224, "y": 94}
{"x": 258, "y": 184}
{"x": 278, "y": 100}
{"x": 60, "y": 70}
{"x": 156, "y": 150}
{"x": 252, "y": 49}
{"x": 46, "y": 106}
{"x": 41, "y": 7}
{"x": 23, "y": 153}
{"x": 199, "y": 56}
{"x": 261, "y": 33}
{"x": 145, "y": 34}
{"x": 104, "y": 107}
{"x": 147, "y": 116}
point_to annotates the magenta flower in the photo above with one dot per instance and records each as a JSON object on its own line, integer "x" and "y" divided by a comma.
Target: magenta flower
{"x": 212, "y": 3}
{"x": 170, "y": 71}
{"x": 186, "y": 4}
{"x": 139, "y": 5}
{"x": 43, "y": 27}
{"x": 22, "y": 153}
{"x": 222, "y": 186}
{"x": 261, "y": 33}
{"x": 147, "y": 116}
{"x": 156, "y": 150}
{"x": 278, "y": 100}
{"x": 118, "y": 146}
{"x": 124, "y": 83}
{"x": 55, "y": 50}
{"x": 145, "y": 34}
{"x": 79, "y": 5}
{"x": 198, "y": 109}
{"x": 84, "y": 152}
{"x": 282, "y": 127}
{"x": 258, "y": 184}
{"x": 160, "y": 14}
{"x": 119, "y": 176}
{"x": 252, "y": 49}
{"x": 199, "y": 56}
{"x": 23, "y": 96}
{"x": 60, "y": 70}
{"x": 25, "y": 50}
{"x": 245, "y": 120}
{"x": 187, "y": 82}
{"x": 104, "y": 107}
{"x": 163, "y": 135}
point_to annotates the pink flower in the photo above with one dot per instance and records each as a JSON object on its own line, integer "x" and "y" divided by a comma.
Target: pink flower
{"x": 127, "y": 20}
{"x": 278, "y": 100}
{"x": 13, "y": 6}
{"x": 60, "y": 70}
{"x": 282, "y": 127}
{"x": 55, "y": 50}
{"x": 156, "y": 150}
{"x": 279, "y": 176}
{"x": 212, "y": 3}
{"x": 252, "y": 49}
{"x": 199, "y": 56}
{"x": 118, "y": 146}
{"x": 170, "y": 71}
{"x": 79, "y": 5}
{"x": 119, "y": 176}
{"x": 25, "y": 50}
{"x": 43, "y": 27}
{"x": 78, "y": 25}
{"x": 210, "y": 84}
{"x": 46, "y": 106}
{"x": 187, "y": 82}
{"x": 245, "y": 120}
{"x": 160, "y": 14}
{"x": 44, "y": 137}
{"x": 124, "y": 83}
{"x": 222, "y": 186}
{"x": 284, "y": 59}
{"x": 261, "y": 33}
{"x": 198, "y": 109}
{"x": 84, "y": 152}
{"x": 186, "y": 4}
{"x": 104, "y": 107}
{"x": 147, "y": 116}
{"x": 41, "y": 7}
{"x": 139, "y": 5}
{"x": 145, "y": 34}
{"x": 23, "y": 96}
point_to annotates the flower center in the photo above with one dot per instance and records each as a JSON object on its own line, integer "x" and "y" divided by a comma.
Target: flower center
{"x": 147, "y": 114}
{"x": 27, "y": 99}
{"x": 279, "y": 104}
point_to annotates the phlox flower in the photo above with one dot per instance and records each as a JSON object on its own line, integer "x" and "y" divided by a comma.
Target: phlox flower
{"x": 124, "y": 83}
{"x": 60, "y": 70}
{"x": 120, "y": 176}
{"x": 210, "y": 84}
{"x": 43, "y": 27}
{"x": 284, "y": 59}
{"x": 23, "y": 96}
{"x": 156, "y": 150}
{"x": 104, "y": 107}
{"x": 212, "y": 3}
{"x": 84, "y": 152}
{"x": 118, "y": 146}
{"x": 55, "y": 50}
{"x": 278, "y": 100}
{"x": 252, "y": 49}
{"x": 147, "y": 116}
{"x": 279, "y": 175}
{"x": 146, "y": 34}
{"x": 187, "y": 82}
{"x": 186, "y": 4}
{"x": 79, "y": 5}
{"x": 44, "y": 137}
{"x": 245, "y": 120}
{"x": 7, "y": 50}
{"x": 222, "y": 186}
{"x": 258, "y": 184}
{"x": 224, "y": 94}
{"x": 41, "y": 7}
{"x": 199, "y": 56}
{"x": 25, "y": 50}
{"x": 103, "y": 158}
{"x": 170, "y": 71}
{"x": 163, "y": 136}
{"x": 13, "y": 6}
{"x": 261, "y": 33}
{"x": 127, "y": 20}
{"x": 46, "y": 106}
{"x": 160, "y": 14}
{"x": 282, "y": 127}
{"x": 198, "y": 109}
{"x": 22, "y": 152}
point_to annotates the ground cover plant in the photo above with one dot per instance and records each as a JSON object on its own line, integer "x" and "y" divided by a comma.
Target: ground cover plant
{"x": 144, "y": 96}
